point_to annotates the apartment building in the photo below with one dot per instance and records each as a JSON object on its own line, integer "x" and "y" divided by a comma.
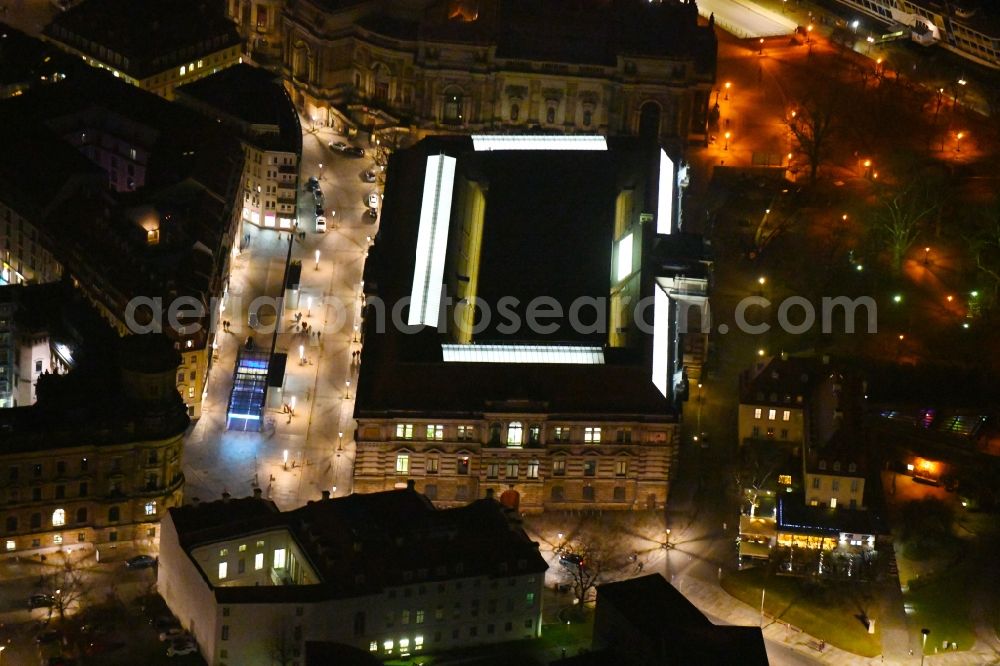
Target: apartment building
{"x": 155, "y": 46}
{"x": 386, "y": 573}
{"x": 76, "y": 473}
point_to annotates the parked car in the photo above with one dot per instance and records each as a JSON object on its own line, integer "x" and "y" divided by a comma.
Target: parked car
{"x": 571, "y": 560}
{"x": 354, "y": 151}
{"x": 374, "y": 200}
{"x": 312, "y": 184}
{"x": 320, "y": 224}
{"x": 320, "y": 210}
{"x": 318, "y": 195}
{"x": 339, "y": 146}
{"x": 181, "y": 646}
{"x": 41, "y": 601}
{"x": 49, "y": 637}
{"x": 140, "y": 562}
{"x": 369, "y": 175}
{"x": 170, "y": 633}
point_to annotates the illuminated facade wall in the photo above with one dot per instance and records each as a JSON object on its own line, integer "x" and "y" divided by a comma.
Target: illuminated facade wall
{"x": 466, "y": 246}
{"x": 551, "y": 464}
{"x": 834, "y": 490}
{"x": 781, "y": 423}
{"x": 270, "y": 187}
{"x": 335, "y": 65}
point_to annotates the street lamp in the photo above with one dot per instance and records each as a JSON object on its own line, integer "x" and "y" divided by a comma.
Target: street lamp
{"x": 726, "y": 147}
{"x": 958, "y": 142}
{"x": 728, "y": 86}
{"x": 309, "y": 306}
{"x": 291, "y": 405}
{"x": 923, "y": 645}
{"x": 321, "y": 171}
{"x": 302, "y": 354}
{"x": 760, "y": 51}
{"x": 700, "y": 400}
{"x": 317, "y": 260}
{"x": 340, "y": 441}
{"x": 347, "y": 393}
{"x": 927, "y": 252}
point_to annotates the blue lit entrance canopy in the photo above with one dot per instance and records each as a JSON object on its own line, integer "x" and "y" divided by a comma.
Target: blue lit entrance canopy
{"x": 246, "y": 402}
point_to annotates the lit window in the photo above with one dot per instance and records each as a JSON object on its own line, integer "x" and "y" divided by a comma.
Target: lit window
{"x": 785, "y": 479}
{"x": 621, "y": 468}
{"x": 418, "y": 642}
{"x": 420, "y": 617}
{"x": 786, "y": 415}
{"x": 465, "y": 432}
{"x": 592, "y": 435}
{"x": 757, "y": 413}
{"x": 190, "y": 391}
{"x": 260, "y": 543}
{"x": 279, "y": 558}
{"x": 150, "y": 508}
{"x": 11, "y": 545}
{"x": 57, "y": 539}
{"x": 131, "y": 152}
{"x": 435, "y": 432}
{"x": 183, "y": 70}
{"x": 200, "y": 64}
{"x": 58, "y": 517}
{"x": 242, "y": 547}
{"x": 223, "y": 569}
{"x": 387, "y": 645}
{"x": 772, "y": 414}
{"x": 258, "y": 561}
{"x": 404, "y": 644}
{"x": 404, "y": 431}
{"x": 403, "y": 463}
{"x": 512, "y": 469}
{"x": 373, "y": 647}
{"x": 533, "y": 469}
{"x": 515, "y": 433}
{"x": 833, "y": 502}
{"x": 624, "y": 257}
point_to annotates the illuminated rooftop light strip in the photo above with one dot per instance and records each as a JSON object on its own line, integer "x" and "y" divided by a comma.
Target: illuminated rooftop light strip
{"x": 482, "y": 142}
{"x": 432, "y": 241}
{"x": 665, "y": 203}
{"x": 661, "y": 340}
{"x": 550, "y": 354}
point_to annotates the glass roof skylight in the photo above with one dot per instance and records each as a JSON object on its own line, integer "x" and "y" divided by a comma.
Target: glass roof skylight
{"x": 497, "y": 353}
{"x": 432, "y": 241}
{"x": 482, "y": 142}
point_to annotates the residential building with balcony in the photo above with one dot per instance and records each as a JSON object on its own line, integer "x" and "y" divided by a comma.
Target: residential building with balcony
{"x": 96, "y": 460}
{"x": 628, "y": 67}
{"x": 155, "y": 193}
{"x": 155, "y": 46}
{"x": 579, "y": 411}
{"x": 385, "y": 573}
{"x": 255, "y": 105}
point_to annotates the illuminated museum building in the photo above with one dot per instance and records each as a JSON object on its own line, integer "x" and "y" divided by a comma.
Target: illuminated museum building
{"x": 255, "y": 105}
{"x": 575, "y": 416}
{"x": 385, "y": 573}
{"x": 623, "y": 67}
{"x": 156, "y": 46}
{"x": 155, "y": 194}
{"x": 74, "y": 472}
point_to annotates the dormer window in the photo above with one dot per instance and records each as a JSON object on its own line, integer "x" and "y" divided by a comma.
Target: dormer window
{"x": 836, "y": 467}
{"x": 852, "y": 467}
{"x": 822, "y": 464}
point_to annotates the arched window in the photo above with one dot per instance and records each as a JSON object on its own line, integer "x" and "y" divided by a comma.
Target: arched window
{"x": 494, "y": 434}
{"x": 150, "y": 508}
{"x": 550, "y": 115}
{"x": 58, "y": 517}
{"x": 81, "y": 515}
{"x": 588, "y": 117}
{"x": 453, "y": 106}
{"x": 515, "y": 111}
{"x": 515, "y": 433}
{"x": 382, "y": 78}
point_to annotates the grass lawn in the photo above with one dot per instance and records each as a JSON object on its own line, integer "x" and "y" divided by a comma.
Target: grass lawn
{"x": 829, "y": 611}
{"x": 941, "y": 603}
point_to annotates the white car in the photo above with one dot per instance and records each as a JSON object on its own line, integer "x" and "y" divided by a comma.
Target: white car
{"x": 320, "y": 224}
{"x": 373, "y": 200}
{"x": 181, "y": 646}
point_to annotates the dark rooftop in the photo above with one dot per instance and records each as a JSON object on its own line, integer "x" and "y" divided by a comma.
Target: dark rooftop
{"x": 380, "y": 535}
{"x": 247, "y": 95}
{"x": 150, "y": 35}
{"x": 537, "y": 241}
{"x": 779, "y": 381}
{"x": 664, "y": 617}
{"x": 794, "y": 514}
{"x": 26, "y": 61}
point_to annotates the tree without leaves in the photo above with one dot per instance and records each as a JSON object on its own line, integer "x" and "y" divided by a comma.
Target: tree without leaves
{"x": 757, "y": 469}
{"x": 600, "y": 556}
{"x": 904, "y": 208}
{"x": 67, "y": 586}
{"x": 984, "y": 243}
{"x": 814, "y": 122}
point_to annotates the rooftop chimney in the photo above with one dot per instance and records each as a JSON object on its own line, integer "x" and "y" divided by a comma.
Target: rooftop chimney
{"x": 326, "y": 494}
{"x": 257, "y": 493}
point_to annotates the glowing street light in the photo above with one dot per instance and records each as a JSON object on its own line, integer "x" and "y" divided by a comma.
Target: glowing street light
{"x": 760, "y": 51}
{"x": 897, "y": 298}
{"x": 309, "y": 306}
{"x": 761, "y": 280}
{"x": 292, "y": 403}
{"x": 760, "y": 352}
{"x": 958, "y": 141}
{"x": 726, "y": 147}
{"x": 321, "y": 171}
{"x": 302, "y": 354}
{"x": 347, "y": 389}
{"x": 340, "y": 441}
{"x": 317, "y": 260}
{"x": 927, "y": 253}
{"x": 728, "y": 86}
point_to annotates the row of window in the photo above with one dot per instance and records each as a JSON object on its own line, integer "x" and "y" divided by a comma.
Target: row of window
{"x": 512, "y": 468}
{"x": 557, "y": 493}
{"x": 404, "y": 645}
{"x": 59, "y": 517}
{"x": 418, "y": 616}
{"x": 515, "y": 434}
{"x": 152, "y": 457}
{"x": 817, "y": 483}
{"x": 278, "y": 560}
{"x": 772, "y": 414}
{"x": 81, "y": 537}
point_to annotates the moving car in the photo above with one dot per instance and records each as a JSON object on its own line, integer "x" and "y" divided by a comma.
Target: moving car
{"x": 319, "y": 210}
{"x": 354, "y": 151}
{"x": 312, "y": 184}
{"x": 318, "y": 195}
{"x": 140, "y": 562}
{"x": 339, "y": 147}
{"x": 320, "y": 224}
{"x": 41, "y": 601}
